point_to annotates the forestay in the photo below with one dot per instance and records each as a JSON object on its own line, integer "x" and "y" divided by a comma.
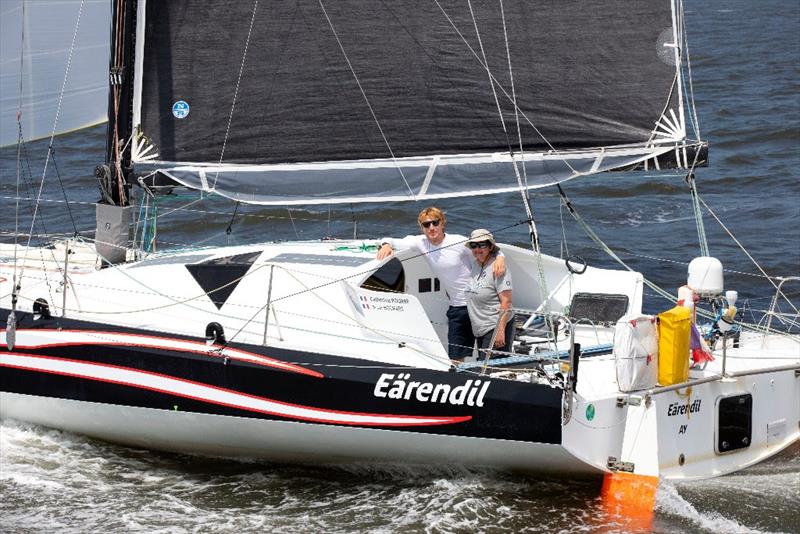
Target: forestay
{"x": 347, "y": 101}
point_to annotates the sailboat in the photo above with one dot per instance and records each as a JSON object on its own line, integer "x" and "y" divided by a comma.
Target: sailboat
{"x": 317, "y": 351}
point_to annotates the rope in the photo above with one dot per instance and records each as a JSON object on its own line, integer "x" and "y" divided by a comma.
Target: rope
{"x": 229, "y": 229}
{"x": 291, "y": 219}
{"x": 18, "y": 279}
{"x": 605, "y": 247}
{"x": 63, "y": 190}
{"x": 366, "y": 100}
{"x": 658, "y": 290}
{"x": 523, "y": 192}
{"x": 523, "y": 185}
{"x": 119, "y": 52}
{"x": 488, "y": 71}
{"x": 695, "y": 122}
{"x": 236, "y": 91}
{"x": 698, "y": 214}
{"x": 769, "y": 278}
{"x": 11, "y": 322}
{"x": 502, "y": 89}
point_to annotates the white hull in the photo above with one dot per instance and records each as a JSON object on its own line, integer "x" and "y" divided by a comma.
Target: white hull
{"x": 236, "y": 437}
{"x": 125, "y": 342}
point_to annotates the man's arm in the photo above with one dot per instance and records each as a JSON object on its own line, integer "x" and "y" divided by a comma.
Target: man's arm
{"x": 499, "y": 267}
{"x": 389, "y": 244}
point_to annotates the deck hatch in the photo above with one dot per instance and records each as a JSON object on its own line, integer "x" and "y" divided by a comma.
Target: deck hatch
{"x": 598, "y": 307}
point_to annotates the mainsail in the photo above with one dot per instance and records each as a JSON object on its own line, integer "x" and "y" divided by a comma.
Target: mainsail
{"x": 349, "y": 101}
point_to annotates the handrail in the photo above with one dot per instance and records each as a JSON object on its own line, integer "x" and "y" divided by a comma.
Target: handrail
{"x": 714, "y": 378}
{"x": 552, "y": 337}
{"x": 571, "y": 378}
{"x": 778, "y": 293}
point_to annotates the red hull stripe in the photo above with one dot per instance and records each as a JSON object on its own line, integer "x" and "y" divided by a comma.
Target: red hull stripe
{"x": 126, "y": 376}
{"x": 44, "y": 338}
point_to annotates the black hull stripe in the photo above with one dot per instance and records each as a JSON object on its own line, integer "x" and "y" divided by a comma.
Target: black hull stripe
{"x": 206, "y": 393}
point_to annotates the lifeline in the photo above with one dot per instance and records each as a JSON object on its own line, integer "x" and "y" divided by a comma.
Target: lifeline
{"x": 470, "y": 393}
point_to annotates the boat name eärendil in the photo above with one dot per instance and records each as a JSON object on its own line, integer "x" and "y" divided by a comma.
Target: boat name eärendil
{"x": 677, "y": 408}
{"x": 470, "y": 393}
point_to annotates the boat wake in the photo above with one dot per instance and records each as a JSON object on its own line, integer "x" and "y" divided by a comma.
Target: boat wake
{"x": 709, "y": 496}
{"x": 57, "y": 480}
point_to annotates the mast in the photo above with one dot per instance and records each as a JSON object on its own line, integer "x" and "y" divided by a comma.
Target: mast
{"x": 120, "y": 79}
{"x": 113, "y": 210}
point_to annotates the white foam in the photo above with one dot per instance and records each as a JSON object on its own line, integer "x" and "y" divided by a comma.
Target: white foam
{"x": 669, "y": 501}
{"x": 59, "y": 481}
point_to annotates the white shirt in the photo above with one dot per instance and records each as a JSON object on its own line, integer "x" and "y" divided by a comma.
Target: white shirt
{"x": 450, "y": 261}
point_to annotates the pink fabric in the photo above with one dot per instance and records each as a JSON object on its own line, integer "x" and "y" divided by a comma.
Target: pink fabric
{"x": 700, "y": 353}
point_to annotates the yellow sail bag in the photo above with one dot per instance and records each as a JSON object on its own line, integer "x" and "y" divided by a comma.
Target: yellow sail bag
{"x": 674, "y": 330}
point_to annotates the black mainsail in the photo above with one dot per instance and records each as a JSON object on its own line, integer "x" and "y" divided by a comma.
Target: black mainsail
{"x": 325, "y": 102}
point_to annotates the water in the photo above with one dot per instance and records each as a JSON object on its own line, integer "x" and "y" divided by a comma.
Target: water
{"x": 746, "y": 70}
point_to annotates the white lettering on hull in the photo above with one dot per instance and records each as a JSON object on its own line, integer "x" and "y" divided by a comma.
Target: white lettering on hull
{"x": 400, "y": 386}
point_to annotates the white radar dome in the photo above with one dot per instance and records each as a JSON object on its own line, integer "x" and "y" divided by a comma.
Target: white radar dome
{"x": 705, "y": 276}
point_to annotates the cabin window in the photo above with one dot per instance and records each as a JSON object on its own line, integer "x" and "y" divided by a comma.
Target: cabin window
{"x": 426, "y": 285}
{"x": 389, "y": 278}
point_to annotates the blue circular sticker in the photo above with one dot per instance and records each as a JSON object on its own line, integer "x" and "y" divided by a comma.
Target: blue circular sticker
{"x": 180, "y": 109}
{"x": 590, "y": 412}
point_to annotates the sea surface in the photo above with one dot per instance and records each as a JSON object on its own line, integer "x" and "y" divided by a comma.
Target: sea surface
{"x": 746, "y": 79}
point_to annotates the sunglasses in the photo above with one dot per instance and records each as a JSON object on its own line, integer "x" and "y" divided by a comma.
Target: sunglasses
{"x": 427, "y": 224}
{"x": 480, "y": 244}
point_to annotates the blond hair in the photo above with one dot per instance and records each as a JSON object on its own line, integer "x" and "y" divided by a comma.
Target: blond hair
{"x": 431, "y": 212}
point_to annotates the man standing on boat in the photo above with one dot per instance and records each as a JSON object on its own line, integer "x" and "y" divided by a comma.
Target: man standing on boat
{"x": 451, "y": 262}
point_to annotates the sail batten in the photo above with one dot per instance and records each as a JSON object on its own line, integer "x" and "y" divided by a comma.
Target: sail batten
{"x": 400, "y": 89}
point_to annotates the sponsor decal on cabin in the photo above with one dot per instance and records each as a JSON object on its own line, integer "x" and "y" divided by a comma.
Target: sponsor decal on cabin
{"x": 383, "y": 303}
{"x": 400, "y": 386}
{"x": 676, "y": 408}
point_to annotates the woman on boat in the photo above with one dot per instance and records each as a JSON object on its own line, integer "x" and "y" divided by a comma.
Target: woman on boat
{"x": 489, "y": 295}
{"x": 451, "y": 264}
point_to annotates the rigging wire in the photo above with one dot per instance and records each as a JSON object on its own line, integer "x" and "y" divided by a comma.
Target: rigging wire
{"x": 658, "y": 290}
{"x": 534, "y": 234}
{"x": 291, "y": 219}
{"x": 489, "y": 72}
{"x": 366, "y": 100}
{"x": 525, "y": 199}
{"x": 63, "y": 190}
{"x": 695, "y": 122}
{"x": 48, "y": 157}
{"x": 355, "y": 221}
{"x": 11, "y": 322}
{"x": 698, "y": 214}
{"x": 739, "y": 244}
{"x": 355, "y": 275}
{"x": 502, "y": 89}
{"x": 236, "y": 91}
